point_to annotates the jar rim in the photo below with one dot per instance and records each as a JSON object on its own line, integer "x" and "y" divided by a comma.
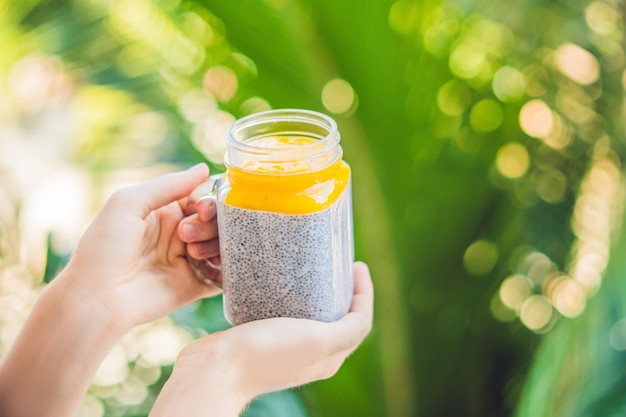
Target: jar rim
{"x": 282, "y": 115}
{"x": 283, "y": 122}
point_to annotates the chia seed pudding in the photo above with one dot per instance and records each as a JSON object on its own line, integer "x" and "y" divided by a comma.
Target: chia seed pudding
{"x": 286, "y": 265}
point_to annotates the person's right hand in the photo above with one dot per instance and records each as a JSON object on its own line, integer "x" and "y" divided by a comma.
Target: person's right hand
{"x": 264, "y": 356}
{"x": 198, "y": 230}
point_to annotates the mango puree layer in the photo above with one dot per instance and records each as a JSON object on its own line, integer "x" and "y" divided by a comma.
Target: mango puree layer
{"x": 272, "y": 188}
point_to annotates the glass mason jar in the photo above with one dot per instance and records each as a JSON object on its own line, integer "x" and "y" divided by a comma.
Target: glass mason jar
{"x": 284, "y": 212}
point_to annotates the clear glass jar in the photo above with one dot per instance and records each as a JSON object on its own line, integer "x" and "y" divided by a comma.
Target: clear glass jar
{"x": 284, "y": 213}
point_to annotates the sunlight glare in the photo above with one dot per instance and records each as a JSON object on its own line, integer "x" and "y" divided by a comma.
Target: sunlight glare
{"x": 536, "y": 312}
{"x": 453, "y": 97}
{"x": 160, "y": 345}
{"x": 90, "y": 407}
{"x": 508, "y": 84}
{"x": 467, "y": 60}
{"x": 569, "y": 298}
{"x": 601, "y": 17}
{"x": 338, "y": 96}
{"x": 131, "y": 392}
{"x": 221, "y": 82}
{"x": 515, "y": 290}
{"x": 197, "y": 106}
{"x": 536, "y": 119}
{"x": 255, "y": 105}
{"x": 114, "y": 369}
{"x": 404, "y": 16}
{"x": 512, "y": 160}
{"x": 577, "y": 64}
{"x": 486, "y": 116}
{"x": 210, "y": 136}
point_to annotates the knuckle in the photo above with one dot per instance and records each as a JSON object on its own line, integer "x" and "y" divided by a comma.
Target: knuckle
{"x": 120, "y": 196}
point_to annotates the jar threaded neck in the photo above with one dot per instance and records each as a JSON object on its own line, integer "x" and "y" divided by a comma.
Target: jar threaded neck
{"x": 320, "y": 152}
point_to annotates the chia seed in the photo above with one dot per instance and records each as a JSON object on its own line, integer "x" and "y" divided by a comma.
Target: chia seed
{"x": 286, "y": 265}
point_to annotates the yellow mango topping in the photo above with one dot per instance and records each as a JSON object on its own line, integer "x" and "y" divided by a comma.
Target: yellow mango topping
{"x": 296, "y": 190}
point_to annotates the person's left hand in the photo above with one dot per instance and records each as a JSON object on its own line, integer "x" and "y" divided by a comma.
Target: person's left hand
{"x": 130, "y": 264}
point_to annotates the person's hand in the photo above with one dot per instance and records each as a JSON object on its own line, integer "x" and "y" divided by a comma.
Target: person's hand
{"x": 130, "y": 263}
{"x": 129, "y": 268}
{"x": 218, "y": 374}
{"x": 199, "y": 232}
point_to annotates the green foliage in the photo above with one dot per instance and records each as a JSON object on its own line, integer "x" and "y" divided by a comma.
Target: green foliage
{"x": 579, "y": 365}
{"x": 446, "y": 157}
{"x": 54, "y": 262}
{"x": 280, "y": 404}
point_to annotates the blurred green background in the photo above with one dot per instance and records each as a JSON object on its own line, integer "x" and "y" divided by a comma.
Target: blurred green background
{"x": 486, "y": 140}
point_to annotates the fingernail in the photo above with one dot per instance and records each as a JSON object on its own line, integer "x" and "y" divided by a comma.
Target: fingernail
{"x": 212, "y": 211}
{"x": 190, "y": 232}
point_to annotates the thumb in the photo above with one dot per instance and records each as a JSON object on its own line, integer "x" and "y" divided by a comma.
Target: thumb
{"x": 143, "y": 198}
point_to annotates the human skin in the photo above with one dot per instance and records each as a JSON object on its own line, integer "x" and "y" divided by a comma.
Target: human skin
{"x": 129, "y": 268}
{"x": 220, "y": 373}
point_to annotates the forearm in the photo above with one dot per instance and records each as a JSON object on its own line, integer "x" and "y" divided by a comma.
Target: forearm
{"x": 51, "y": 364}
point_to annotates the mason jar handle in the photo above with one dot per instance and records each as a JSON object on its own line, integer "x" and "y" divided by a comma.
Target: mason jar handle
{"x": 205, "y": 270}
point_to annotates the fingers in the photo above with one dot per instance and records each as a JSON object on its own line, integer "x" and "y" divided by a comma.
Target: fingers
{"x": 203, "y": 250}
{"x": 283, "y": 352}
{"x": 349, "y": 331}
{"x": 206, "y": 208}
{"x": 144, "y": 198}
{"x": 363, "y": 298}
{"x": 193, "y": 229}
{"x": 201, "y": 202}
{"x": 200, "y": 232}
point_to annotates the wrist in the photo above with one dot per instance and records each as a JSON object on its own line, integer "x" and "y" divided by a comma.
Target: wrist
{"x": 70, "y": 288}
{"x": 203, "y": 382}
